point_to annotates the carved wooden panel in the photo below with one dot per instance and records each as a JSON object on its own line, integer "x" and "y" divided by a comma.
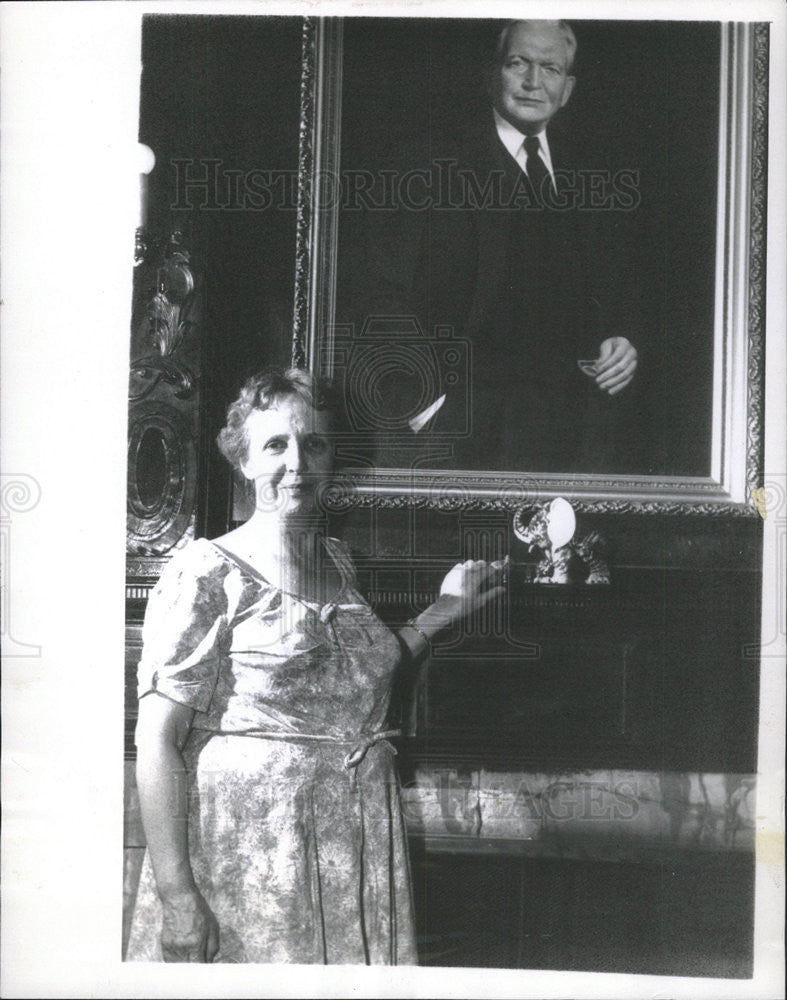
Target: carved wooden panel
{"x": 164, "y": 400}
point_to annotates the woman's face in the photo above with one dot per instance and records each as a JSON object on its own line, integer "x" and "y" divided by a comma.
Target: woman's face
{"x": 289, "y": 454}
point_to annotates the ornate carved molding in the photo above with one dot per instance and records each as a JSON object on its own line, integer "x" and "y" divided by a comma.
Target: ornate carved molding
{"x": 394, "y": 502}
{"x": 162, "y": 478}
{"x": 144, "y": 567}
{"x": 318, "y": 158}
{"x": 163, "y": 321}
{"x": 300, "y": 320}
{"x": 757, "y": 268}
{"x": 163, "y": 396}
{"x": 462, "y": 491}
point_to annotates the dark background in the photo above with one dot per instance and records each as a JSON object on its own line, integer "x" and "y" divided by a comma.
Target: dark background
{"x": 647, "y": 95}
{"x": 226, "y": 89}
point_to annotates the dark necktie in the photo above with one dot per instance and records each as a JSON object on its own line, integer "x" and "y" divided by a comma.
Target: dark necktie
{"x": 537, "y": 173}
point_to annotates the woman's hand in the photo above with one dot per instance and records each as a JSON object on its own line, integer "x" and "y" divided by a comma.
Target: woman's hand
{"x": 474, "y": 583}
{"x": 467, "y": 587}
{"x": 189, "y": 930}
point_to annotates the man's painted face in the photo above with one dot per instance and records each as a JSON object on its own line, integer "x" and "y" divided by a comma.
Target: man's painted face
{"x": 532, "y": 83}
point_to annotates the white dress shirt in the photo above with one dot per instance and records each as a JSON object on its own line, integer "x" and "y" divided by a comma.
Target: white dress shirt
{"x": 514, "y": 142}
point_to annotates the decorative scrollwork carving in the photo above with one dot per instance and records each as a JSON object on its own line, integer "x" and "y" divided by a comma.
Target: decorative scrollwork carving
{"x": 303, "y": 246}
{"x": 162, "y": 478}
{"x": 151, "y": 370}
{"x": 167, "y": 321}
{"x": 360, "y": 492}
{"x": 757, "y": 243}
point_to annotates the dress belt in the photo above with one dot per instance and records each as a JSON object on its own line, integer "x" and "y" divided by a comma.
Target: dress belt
{"x": 359, "y": 745}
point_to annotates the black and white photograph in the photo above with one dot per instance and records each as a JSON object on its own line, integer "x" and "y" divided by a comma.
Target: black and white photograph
{"x": 413, "y": 618}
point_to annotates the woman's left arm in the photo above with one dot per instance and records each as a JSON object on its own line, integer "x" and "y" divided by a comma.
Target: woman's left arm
{"x": 467, "y": 587}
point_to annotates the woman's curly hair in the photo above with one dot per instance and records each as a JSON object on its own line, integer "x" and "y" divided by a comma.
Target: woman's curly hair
{"x": 265, "y": 390}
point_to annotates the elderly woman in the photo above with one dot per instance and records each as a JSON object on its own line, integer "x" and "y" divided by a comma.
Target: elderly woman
{"x": 266, "y": 779}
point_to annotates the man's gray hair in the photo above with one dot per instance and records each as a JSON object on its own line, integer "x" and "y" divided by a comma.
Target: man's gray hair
{"x": 563, "y": 27}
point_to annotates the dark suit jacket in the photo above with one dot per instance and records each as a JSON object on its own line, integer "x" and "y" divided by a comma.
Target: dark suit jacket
{"x": 526, "y": 292}
{"x": 493, "y": 304}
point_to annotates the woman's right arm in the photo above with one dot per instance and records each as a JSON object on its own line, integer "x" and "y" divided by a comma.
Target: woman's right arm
{"x": 190, "y": 932}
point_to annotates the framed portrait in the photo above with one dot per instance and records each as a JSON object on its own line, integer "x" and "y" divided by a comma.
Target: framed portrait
{"x": 463, "y": 322}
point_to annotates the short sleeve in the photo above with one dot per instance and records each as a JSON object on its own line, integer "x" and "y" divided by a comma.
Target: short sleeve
{"x": 185, "y": 622}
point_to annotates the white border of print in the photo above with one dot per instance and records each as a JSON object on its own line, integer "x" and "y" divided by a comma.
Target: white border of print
{"x": 69, "y": 118}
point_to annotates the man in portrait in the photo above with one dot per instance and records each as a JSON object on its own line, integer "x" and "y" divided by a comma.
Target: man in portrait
{"x": 527, "y": 261}
{"x": 507, "y": 264}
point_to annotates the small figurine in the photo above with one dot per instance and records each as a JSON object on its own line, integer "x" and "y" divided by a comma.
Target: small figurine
{"x": 551, "y": 529}
{"x": 591, "y": 551}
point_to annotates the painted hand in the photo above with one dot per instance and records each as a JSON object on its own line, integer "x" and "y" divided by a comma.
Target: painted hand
{"x": 617, "y": 362}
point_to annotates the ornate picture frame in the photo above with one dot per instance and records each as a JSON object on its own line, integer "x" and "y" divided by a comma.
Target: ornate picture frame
{"x": 736, "y": 440}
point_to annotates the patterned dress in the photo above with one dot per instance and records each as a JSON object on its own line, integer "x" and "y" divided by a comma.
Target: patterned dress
{"x": 296, "y": 834}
